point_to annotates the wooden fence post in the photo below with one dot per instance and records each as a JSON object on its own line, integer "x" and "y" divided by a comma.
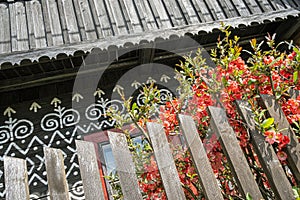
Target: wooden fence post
{"x": 165, "y": 161}
{"x": 293, "y": 149}
{"x": 237, "y": 161}
{"x": 294, "y": 93}
{"x": 16, "y": 179}
{"x": 56, "y": 175}
{"x": 125, "y": 166}
{"x": 206, "y": 176}
{"x": 266, "y": 155}
{"x": 89, "y": 170}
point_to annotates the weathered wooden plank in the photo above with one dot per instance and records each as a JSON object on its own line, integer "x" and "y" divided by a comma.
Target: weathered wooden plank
{"x": 63, "y": 21}
{"x": 120, "y": 21}
{"x": 56, "y": 175}
{"x": 188, "y": 11}
{"x": 241, "y": 7}
{"x": 30, "y": 25}
{"x": 144, "y": 10}
{"x": 293, "y": 148}
{"x": 202, "y": 11}
{"x": 142, "y": 15}
{"x": 71, "y": 22}
{"x": 160, "y": 14}
{"x": 125, "y": 15}
{"x": 89, "y": 170}
{"x": 165, "y": 162}
{"x": 253, "y": 6}
{"x": 87, "y": 19}
{"x": 288, "y": 4}
{"x": 207, "y": 178}
{"x": 21, "y": 22}
{"x": 112, "y": 17}
{"x": 215, "y": 9}
{"x": 5, "y": 36}
{"x": 38, "y": 24}
{"x": 13, "y": 27}
{"x": 134, "y": 22}
{"x": 47, "y": 22}
{"x": 297, "y": 3}
{"x": 55, "y": 23}
{"x": 265, "y": 5}
{"x": 125, "y": 166}
{"x": 266, "y": 155}
{"x": 103, "y": 18}
{"x": 95, "y": 19}
{"x": 16, "y": 179}
{"x": 174, "y": 13}
{"x": 237, "y": 161}
{"x": 229, "y": 9}
{"x": 79, "y": 18}
{"x": 277, "y": 5}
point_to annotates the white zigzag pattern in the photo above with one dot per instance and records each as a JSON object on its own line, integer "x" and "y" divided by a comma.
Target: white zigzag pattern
{"x": 2, "y": 193}
{"x": 31, "y": 164}
{"x": 13, "y": 146}
{"x": 24, "y": 152}
{"x": 94, "y": 126}
{"x": 37, "y": 177}
{"x": 42, "y": 160}
{"x": 74, "y": 165}
{"x": 35, "y": 138}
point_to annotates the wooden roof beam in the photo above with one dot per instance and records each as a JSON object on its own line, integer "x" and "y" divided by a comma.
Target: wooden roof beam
{"x": 288, "y": 29}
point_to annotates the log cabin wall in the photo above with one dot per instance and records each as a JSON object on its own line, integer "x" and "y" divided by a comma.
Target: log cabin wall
{"x": 44, "y": 43}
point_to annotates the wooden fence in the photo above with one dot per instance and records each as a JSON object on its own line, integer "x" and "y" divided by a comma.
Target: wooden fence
{"x": 16, "y": 181}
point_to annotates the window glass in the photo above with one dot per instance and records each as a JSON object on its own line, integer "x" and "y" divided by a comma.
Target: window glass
{"x": 108, "y": 159}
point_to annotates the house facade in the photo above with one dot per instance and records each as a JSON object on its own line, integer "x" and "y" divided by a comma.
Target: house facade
{"x": 63, "y": 61}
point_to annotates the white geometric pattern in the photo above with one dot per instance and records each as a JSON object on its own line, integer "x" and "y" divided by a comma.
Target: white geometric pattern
{"x": 60, "y": 127}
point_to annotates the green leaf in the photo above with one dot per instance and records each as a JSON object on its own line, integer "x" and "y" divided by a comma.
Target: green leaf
{"x": 267, "y": 123}
{"x": 296, "y": 191}
{"x": 248, "y": 197}
{"x": 251, "y": 80}
{"x": 296, "y": 50}
{"x": 134, "y": 106}
{"x": 253, "y": 43}
{"x": 147, "y": 147}
{"x": 224, "y": 81}
{"x": 295, "y": 76}
{"x": 214, "y": 76}
{"x": 204, "y": 119}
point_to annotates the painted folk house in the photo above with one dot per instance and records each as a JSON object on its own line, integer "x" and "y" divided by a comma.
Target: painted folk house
{"x": 51, "y": 51}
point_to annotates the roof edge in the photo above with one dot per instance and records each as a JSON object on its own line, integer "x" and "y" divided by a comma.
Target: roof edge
{"x": 10, "y": 59}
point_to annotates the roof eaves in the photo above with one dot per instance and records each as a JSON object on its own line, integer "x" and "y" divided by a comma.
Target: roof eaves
{"x": 10, "y": 60}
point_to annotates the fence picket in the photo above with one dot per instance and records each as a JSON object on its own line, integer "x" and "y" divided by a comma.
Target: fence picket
{"x": 293, "y": 148}
{"x": 89, "y": 170}
{"x": 237, "y": 161}
{"x": 266, "y": 155}
{"x": 125, "y": 166}
{"x": 56, "y": 175}
{"x": 200, "y": 159}
{"x": 165, "y": 161}
{"x": 294, "y": 93}
{"x": 16, "y": 179}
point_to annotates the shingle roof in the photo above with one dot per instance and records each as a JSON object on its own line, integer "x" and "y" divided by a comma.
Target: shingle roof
{"x": 82, "y": 24}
